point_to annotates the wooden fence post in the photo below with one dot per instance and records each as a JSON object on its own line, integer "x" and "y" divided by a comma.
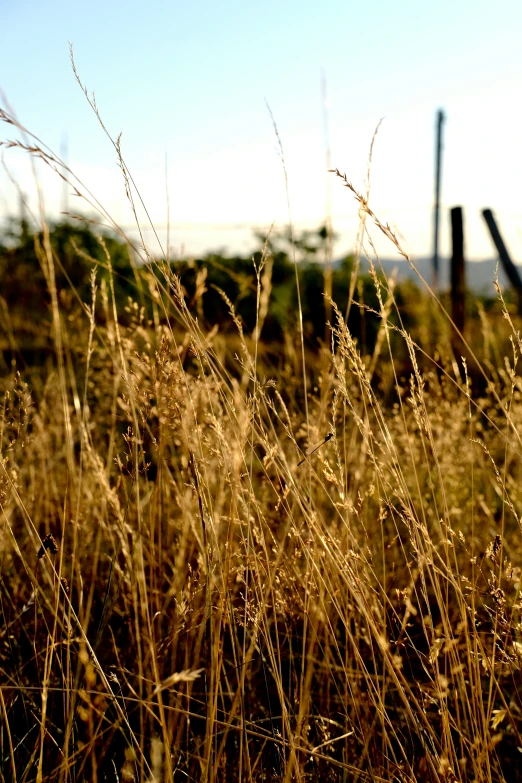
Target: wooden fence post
{"x": 436, "y": 206}
{"x": 509, "y": 267}
{"x": 458, "y": 277}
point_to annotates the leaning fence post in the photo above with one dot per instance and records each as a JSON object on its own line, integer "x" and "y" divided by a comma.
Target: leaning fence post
{"x": 458, "y": 276}
{"x": 509, "y": 267}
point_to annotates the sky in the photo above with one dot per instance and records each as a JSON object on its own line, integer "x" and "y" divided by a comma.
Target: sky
{"x": 189, "y": 85}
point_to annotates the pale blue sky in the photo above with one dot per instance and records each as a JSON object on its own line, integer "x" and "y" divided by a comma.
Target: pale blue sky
{"x": 190, "y": 80}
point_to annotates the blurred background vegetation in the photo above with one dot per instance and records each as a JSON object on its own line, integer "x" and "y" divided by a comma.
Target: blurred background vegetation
{"x": 222, "y": 291}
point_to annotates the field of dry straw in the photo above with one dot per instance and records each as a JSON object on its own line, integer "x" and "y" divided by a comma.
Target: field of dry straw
{"x": 181, "y": 600}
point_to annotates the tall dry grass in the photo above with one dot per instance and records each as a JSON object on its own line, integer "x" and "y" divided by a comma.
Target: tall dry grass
{"x": 183, "y": 600}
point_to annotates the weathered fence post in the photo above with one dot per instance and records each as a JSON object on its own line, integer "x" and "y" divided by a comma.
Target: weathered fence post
{"x": 509, "y": 267}
{"x": 458, "y": 277}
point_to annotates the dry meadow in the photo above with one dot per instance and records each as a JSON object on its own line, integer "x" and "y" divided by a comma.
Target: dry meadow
{"x": 189, "y": 592}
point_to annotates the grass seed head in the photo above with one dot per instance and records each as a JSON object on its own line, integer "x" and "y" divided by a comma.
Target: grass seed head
{"x": 48, "y": 545}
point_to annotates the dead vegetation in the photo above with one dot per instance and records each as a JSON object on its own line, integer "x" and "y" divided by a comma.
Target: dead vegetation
{"x": 189, "y": 593}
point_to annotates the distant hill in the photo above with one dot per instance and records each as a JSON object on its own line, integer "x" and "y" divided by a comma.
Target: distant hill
{"x": 479, "y": 274}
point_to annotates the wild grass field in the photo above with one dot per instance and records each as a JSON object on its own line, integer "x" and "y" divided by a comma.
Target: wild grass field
{"x": 188, "y": 592}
